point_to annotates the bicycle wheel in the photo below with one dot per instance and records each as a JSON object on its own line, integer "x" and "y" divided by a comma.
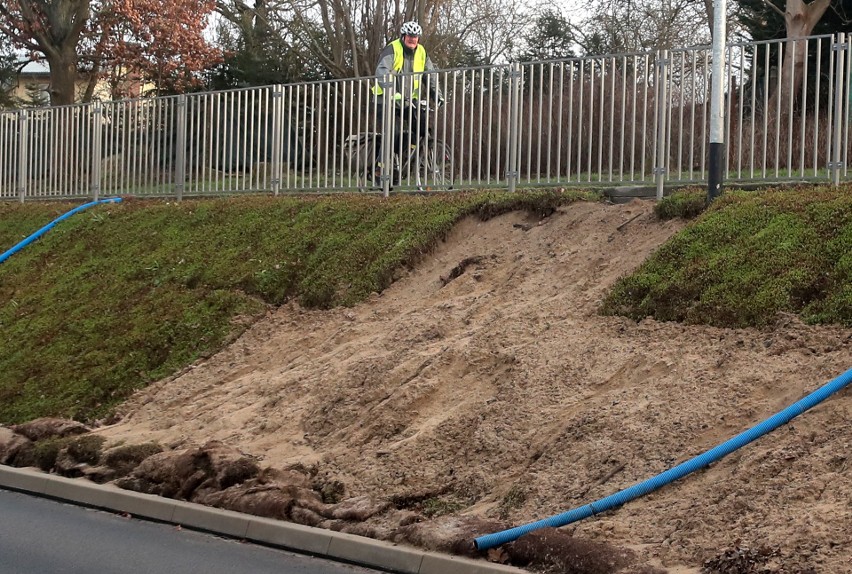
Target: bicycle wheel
{"x": 436, "y": 166}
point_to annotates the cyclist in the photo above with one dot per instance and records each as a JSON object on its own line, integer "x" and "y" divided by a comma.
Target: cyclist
{"x": 404, "y": 60}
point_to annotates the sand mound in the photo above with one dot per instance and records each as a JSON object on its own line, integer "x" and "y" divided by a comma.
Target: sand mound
{"x": 485, "y": 376}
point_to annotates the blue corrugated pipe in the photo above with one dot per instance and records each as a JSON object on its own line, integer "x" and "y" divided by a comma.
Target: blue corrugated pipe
{"x": 47, "y": 227}
{"x": 614, "y": 500}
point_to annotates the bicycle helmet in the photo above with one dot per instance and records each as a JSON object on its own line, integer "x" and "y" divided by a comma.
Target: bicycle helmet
{"x": 411, "y": 29}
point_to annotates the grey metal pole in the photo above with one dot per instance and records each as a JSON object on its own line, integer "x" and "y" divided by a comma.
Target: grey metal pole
{"x": 717, "y": 108}
{"x": 514, "y": 130}
{"x": 277, "y": 127}
{"x": 835, "y": 164}
{"x": 23, "y": 137}
{"x": 180, "y": 152}
{"x": 662, "y": 115}
{"x": 97, "y": 130}
{"x": 387, "y": 120}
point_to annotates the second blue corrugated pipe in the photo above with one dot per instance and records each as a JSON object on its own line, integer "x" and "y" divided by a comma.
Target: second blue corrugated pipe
{"x": 7, "y": 254}
{"x": 615, "y": 500}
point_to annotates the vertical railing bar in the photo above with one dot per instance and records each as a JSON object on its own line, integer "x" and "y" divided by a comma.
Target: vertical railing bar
{"x": 693, "y": 69}
{"x": 512, "y": 131}
{"x": 670, "y": 106}
{"x": 248, "y": 179}
{"x": 235, "y": 131}
{"x": 96, "y": 152}
{"x": 662, "y": 148}
{"x": 323, "y": 120}
{"x": 467, "y": 120}
{"x": 499, "y": 140}
{"x": 622, "y": 124}
{"x": 451, "y": 144}
{"x": 180, "y": 144}
{"x": 288, "y": 148}
{"x": 212, "y": 121}
{"x": 737, "y": 78}
{"x": 834, "y": 166}
{"x": 481, "y": 128}
{"x": 644, "y": 145}
{"x": 766, "y": 111}
{"x": 846, "y": 104}
{"x": 656, "y": 133}
{"x": 611, "y": 115}
{"x": 540, "y": 121}
{"x": 334, "y": 101}
{"x": 529, "y": 144}
{"x": 817, "y": 105}
{"x": 462, "y": 133}
{"x": 275, "y": 131}
{"x": 803, "y": 116}
{"x": 680, "y": 113}
{"x": 549, "y": 141}
{"x": 56, "y": 175}
{"x": 560, "y": 98}
{"x": 23, "y": 141}
{"x": 591, "y": 148}
{"x": 581, "y": 119}
{"x": 634, "y": 90}
{"x": 298, "y": 148}
{"x": 753, "y": 115}
{"x": 569, "y": 144}
{"x": 490, "y": 137}
{"x": 778, "y": 110}
{"x": 790, "y": 108}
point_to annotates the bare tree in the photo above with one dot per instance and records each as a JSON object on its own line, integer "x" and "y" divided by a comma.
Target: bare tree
{"x": 53, "y": 28}
{"x": 346, "y": 36}
{"x": 617, "y": 26}
{"x": 491, "y": 28}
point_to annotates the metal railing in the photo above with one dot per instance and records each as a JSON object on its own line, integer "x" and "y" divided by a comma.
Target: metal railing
{"x": 616, "y": 120}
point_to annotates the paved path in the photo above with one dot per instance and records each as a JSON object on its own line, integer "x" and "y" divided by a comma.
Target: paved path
{"x": 47, "y": 536}
{"x": 276, "y": 533}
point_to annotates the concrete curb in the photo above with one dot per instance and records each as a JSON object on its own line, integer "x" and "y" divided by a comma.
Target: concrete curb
{"x": 295, "y": 537}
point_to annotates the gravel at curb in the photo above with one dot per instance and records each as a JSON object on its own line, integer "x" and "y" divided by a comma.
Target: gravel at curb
{"x": 294, "y": 537}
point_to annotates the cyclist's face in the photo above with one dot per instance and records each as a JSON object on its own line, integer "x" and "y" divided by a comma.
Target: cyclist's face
{"x": 410, "y": 41}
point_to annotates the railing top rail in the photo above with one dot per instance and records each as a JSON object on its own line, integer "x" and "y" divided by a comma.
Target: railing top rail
{"x": 777, "y": 41}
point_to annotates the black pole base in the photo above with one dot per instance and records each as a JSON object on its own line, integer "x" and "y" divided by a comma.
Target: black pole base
{"x": 715, "y": 177}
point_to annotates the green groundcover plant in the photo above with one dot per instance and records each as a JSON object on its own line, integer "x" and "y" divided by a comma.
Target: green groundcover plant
{"x": 748, "y": 257}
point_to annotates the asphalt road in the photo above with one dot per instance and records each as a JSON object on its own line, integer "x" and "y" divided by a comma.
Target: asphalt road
{"x": 42, "y": 536}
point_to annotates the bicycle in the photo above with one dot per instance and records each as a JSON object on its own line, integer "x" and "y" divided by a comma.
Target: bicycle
{"x": 428, "y": 159}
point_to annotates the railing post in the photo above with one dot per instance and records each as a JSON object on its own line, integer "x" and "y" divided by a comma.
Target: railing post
{"x": 718, "y": 126}
{"x": 180, "y": 151}
{"x": 388, "y": 117}
{"x": 96, "y": 153}
{"x": 23, "y": 137}
{"x": 835, "y": 164}
{"x": 516, "y": 80}
{"x": 662, "y": 139}
{"x": 277, "y": 127}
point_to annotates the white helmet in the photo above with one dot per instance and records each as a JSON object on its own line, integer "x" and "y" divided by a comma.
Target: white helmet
{"x": 411, "y": 29}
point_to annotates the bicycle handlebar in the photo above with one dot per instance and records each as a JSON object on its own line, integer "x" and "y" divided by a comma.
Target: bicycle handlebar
{"x": 421, "y": 104}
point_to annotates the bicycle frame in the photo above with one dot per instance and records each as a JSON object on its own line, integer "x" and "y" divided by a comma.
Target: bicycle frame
{"x": 426, "y": 159}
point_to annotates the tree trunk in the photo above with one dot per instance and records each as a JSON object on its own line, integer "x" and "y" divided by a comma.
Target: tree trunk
{"x": 63, "y": 78}
{"x": 801, "y": 19}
